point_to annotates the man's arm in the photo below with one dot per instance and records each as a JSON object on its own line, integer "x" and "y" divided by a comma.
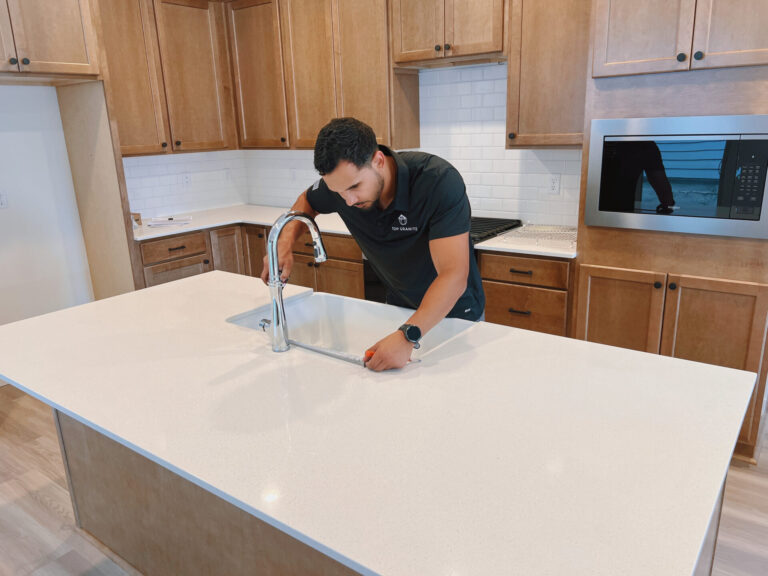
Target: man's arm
{"x": 288, "y": 236}
{"x": 451, "y": 259}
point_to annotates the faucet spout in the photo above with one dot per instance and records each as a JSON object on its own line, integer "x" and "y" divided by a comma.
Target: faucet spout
{"x": 278, "y": 330}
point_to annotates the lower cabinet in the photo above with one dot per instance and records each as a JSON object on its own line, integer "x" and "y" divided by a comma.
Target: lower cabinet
{"x": 175, "y": 257}
{"x": 176, "y": 269}
{"x": 721, "y": 322}
{"x": 227, "y": 249}
{"x": 254, "y": 249}
{"x": 526, "y": 292}
{"x": 342, "y": 273}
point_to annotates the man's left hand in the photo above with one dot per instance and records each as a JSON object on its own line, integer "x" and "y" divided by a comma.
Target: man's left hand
{"x": 394, "y": 351}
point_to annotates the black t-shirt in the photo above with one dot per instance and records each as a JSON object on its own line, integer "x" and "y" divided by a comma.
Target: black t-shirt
{"x": 430, "y": 202}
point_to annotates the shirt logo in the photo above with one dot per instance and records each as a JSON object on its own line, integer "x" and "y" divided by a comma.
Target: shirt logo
{"x": 403, "y": 220}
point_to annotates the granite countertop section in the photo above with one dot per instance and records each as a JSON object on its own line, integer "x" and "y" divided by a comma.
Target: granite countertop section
{"x": 501, "y": 450}
{"x": 240, "y": 214}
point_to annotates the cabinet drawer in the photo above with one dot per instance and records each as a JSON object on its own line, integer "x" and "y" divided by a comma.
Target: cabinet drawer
{"x": 538, "y": 309}
{"x": 534, "y": 271}
{"x": 176, "y": 247}
{"x": 341, "y": 247}
{"x": 176, "y": 269}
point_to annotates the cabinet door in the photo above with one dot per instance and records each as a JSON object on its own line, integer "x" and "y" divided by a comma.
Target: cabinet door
{"x": 135, "y": 82}
{"x": 56, "y": 36}
{"x": 7, "y": 47}
{"x": 303, "y": 272}
{"x": 227, "y": 249}
{"x": 308, "y": 50}
{"x": 196, "y": 73}
{"x": 547, "y": 79}
{"x": 255, "y": 248}
{"x": 633, "y": 37}
{"x": 362, "y": 74}
{"x": 418, "y": 29}
{"x": 730, "y": 33}
{"x": 473, "y": 27}
{"x": 342, "y": 278}
{"x": 257, "y": 60}
{"x": 718, "y": 322}
{"x": 620, "y": 307}
{"x": 176, "y": 269}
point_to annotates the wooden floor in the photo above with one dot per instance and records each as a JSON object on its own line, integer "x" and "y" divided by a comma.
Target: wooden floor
{"x": 38, "y": 534}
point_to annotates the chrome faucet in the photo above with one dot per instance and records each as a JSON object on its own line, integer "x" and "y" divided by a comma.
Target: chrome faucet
{"x": 277, "y": 326}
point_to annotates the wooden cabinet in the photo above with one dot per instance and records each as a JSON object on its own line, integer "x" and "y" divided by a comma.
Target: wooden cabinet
{"x": 549, "y": 46}
{"x": 134, "y": 77}
{"x": 257, "y": 61}
{"x": 671, "y": 35}
{"x": 707, "y": 320}
{"x": 176, "y": 270}
{"x": 196, "y": 73}
{"x": 175, "y": 257}
{"x": 48, "y": 36}
{"x": 525, "y": 292}
{"x": 433, "y": 29}
{"x": 227, "y": 249}
{"x": 254, "y": 249}
{"x": 309, "y": 65}
{"x": 341, "y": 274}
{"x": 621, "y": 307}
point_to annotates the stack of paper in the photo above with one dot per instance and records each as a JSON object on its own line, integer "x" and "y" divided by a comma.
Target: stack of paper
{"x": 169, "y": 221}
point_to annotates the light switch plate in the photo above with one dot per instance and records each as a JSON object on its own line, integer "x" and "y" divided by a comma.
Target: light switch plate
{"x": 554, "y": 185}
{"x": 3, "y": 200}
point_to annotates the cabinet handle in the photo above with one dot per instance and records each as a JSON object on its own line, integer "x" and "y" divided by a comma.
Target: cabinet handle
{"x": 310, "y": 264}
{"x": 282, "y": 139}
{"x": 527, "y": 272}
{"x": 309, "y": 244}
{"x": 164, "y": 144}
{"x": 438, "y": 47}
{"x": 206, "y": 261}
{"x": 657, "y": 284}
{"x": 25, "y": 61}
{"x": 178, "y": 143}
{"x": 673, "y": 286}
{"x": 521, "y": 312}
{"x": 177, "y": 248}
{"x": 682, "y": 56}
{"x": 447, "y": 46}
{"x": 259, "y": 235}
{"x": 698, "y": 55}
{"x": 14, "y": 61}
{"x": 316, "y": 265}
{"x": 511, "y": 135}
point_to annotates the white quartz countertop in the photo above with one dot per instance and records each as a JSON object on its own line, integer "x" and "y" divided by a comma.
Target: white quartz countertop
{"x": 502, "y": 452}
{"x": 536, "y": 240}
{"x": 240, "y": 214}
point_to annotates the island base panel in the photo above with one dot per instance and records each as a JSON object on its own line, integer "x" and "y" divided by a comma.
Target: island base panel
{"x": 163, "y": 524}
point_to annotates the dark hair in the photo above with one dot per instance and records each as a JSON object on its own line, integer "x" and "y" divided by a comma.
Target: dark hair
{"x": 344, "y": 139}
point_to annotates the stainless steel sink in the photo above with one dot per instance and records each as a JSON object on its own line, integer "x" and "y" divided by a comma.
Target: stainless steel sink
{"x": 345, "y": 327}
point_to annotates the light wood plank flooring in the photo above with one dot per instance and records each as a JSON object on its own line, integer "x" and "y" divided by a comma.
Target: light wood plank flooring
{"x": 38, "y": 535}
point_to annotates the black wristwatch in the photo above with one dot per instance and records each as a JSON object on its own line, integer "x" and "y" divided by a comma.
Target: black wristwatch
{"x": 412, "y": 333}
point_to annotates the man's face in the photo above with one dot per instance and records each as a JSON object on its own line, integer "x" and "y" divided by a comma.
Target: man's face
{"x": 359, "y": 187}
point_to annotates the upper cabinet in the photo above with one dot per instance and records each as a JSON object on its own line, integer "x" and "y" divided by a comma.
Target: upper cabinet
{"x": 432, "y": 29}
{"x": 195, "y": 66}
{"x": 135, "y": 78}
{"x": 548, "y": 46}
{"x": 309, "y": 67}
{"x": 48, "y": 36}
{"x": 255, "y": 44}
{"x": 671, "y": 35}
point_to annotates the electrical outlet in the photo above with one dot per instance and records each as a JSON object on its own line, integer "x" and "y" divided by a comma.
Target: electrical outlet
{"x": 186, "y": 179}
{"x": 3, "y": 200}
{"x": 554, "y": 184}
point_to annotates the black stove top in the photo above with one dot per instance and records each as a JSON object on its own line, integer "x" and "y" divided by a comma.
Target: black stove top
{"x": 481, "y": 229}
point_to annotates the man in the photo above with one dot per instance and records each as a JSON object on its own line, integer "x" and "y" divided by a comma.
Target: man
{"x": 410, "y": 214}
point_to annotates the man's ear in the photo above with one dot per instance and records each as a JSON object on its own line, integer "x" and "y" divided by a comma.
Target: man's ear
{"x": 379, "y": 160}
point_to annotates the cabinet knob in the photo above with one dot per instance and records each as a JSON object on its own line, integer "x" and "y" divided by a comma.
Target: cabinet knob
{"x": 657, "y": 284}
{"x": 164, "y": 144}
{"x": 25, "y": 61}
{"x": 682, "y": 56}
{"x": 438, "y": 47}
{"x": 698, "y": 55}
{"x": 511, "y": 135}
{"x": 260, "y": 235}
{"x": 316, "y": 265}
{"x": 14, "y": 61}
{"x": 310, "y": 264}
{"x": 447, "y": 46}
{"x": 282, "y": 139}
{"x": 206, "y": 261}
{"x": 177, "y": 143}
{"x": 672, "y": 286}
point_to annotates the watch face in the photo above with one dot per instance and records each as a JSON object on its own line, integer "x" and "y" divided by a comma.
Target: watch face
{"x": 413, "y": 333}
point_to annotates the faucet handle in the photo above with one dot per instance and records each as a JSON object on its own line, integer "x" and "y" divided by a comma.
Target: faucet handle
{"x": 264, "y": 324}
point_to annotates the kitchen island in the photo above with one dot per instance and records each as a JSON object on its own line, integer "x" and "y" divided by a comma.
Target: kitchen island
{"x": 502, "y": 452}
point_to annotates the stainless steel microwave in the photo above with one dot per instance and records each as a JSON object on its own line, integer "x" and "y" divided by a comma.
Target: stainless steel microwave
{"x": 693, "y": 174}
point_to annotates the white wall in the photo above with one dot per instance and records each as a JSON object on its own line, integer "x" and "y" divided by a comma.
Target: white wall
{"x": 43, "y": 264}
{"x": 463, "y": 113}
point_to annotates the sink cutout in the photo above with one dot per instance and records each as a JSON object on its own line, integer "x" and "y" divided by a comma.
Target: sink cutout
{"x": 347, "y": 326}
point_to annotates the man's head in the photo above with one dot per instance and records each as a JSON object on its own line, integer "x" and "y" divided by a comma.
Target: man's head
{"x": 350, "y": 162}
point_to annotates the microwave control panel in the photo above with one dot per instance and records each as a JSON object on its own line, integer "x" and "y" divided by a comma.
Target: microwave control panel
{"x": 750, "y": 180}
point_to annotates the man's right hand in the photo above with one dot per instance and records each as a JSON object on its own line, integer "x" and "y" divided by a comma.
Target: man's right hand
{"x": 284, "y": 262}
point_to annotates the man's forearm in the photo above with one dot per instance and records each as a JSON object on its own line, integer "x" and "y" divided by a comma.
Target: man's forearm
{"x": 439, "y": 299}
